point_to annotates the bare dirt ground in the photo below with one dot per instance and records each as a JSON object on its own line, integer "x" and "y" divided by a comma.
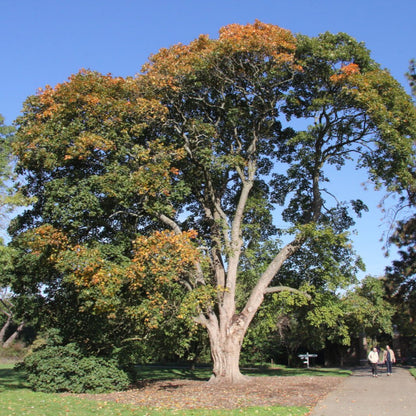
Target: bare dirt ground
{"x": 191, "y": 394}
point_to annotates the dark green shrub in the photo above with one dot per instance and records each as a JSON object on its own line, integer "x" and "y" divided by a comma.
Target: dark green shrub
{"x": 55, "y": 369}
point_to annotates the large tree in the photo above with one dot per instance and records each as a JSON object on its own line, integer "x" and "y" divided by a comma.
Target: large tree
{"x": 227, "y": 102}
{"x": 401, "y": 282}
{"x": 86, "y": 157}
{"x": 205, "y": 142}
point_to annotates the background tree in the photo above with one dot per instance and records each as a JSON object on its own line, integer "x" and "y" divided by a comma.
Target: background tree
{"x": 11, "y": 321}
{"x": 411, "y": 76}
{"x": 89, "y": 151}
{"x": 10, "y": 196}
{"x": 5, "y": 165}
{"x": 289, "y": 323}
{"x": 369, "y": 313}
{"x": 401, "y": 282}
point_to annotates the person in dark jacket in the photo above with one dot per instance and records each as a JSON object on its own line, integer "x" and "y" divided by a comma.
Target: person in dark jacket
{"x": 388, "y": 359}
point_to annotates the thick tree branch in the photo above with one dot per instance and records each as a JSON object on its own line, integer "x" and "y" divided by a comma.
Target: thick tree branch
{"x": 171, "y": 223}
{"x": 277, "y": 289}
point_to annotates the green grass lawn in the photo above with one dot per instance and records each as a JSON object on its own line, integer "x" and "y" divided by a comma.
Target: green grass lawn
{"x": 16, "y": 399}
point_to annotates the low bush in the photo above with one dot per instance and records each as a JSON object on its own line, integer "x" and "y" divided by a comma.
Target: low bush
{"x": 56, "y": 369}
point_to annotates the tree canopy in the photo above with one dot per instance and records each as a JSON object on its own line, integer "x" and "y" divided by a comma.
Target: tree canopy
{"x": 154, "y": 192}
{"x": 401, "y": 282}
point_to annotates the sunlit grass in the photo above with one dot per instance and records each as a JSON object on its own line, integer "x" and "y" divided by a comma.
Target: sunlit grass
{"x": 42, "y": 404}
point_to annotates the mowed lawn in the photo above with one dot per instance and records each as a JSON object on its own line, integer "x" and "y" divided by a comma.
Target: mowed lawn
{"x": 16, "y": 399}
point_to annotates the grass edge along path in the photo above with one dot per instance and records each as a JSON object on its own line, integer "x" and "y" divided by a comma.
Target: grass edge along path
{"x": 16, "y": 399}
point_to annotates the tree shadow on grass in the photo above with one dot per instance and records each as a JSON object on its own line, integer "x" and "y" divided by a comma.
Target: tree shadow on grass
{"x": 192, "y": 374}
{"x": 159, "y": 373}
{"x": 148, "y": 374}
{"x": 11, "y": 379}
{"x": 290, "y": 372}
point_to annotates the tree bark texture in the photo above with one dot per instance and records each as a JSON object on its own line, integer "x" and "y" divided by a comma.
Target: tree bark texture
{"x": 225, "y": 352}
{"x": 13, "y": 337}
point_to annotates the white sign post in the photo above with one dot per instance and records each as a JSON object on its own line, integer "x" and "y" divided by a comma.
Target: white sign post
{"x": 305, "y": 358}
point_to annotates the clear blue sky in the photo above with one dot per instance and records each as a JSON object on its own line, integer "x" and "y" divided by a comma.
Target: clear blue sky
{"x": 45, "y": 41}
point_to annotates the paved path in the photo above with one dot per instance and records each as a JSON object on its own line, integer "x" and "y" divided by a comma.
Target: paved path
{"x": 364, "y": 395}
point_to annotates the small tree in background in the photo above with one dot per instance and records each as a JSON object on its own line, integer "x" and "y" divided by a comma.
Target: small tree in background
{"x": 11, "y": 321}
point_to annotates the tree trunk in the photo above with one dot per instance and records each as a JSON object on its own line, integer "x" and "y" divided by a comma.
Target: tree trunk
{"x": 13, "y": 337}
{"x": 4, "y": 330}
{"x": 225, "y": 351}
{"x": 363, "y": 348}
{"x": 226, "y": 332}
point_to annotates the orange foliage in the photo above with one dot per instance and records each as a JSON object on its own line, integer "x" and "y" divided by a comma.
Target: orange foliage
{"x": 87, "y": 143}
{"x": 46, "y": 236}
{"x": 89, "y": 269}
{"x": 84, "y": 266}
{"x": 346, "y": 71}
{"x": 93, "y": 109}
{"x": 265, "y": 41}
{"x": 163, "y": 256}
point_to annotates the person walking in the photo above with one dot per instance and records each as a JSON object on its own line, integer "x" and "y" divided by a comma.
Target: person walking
{"x": 373, "y": 358}
{"x": 388, "y": 359}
